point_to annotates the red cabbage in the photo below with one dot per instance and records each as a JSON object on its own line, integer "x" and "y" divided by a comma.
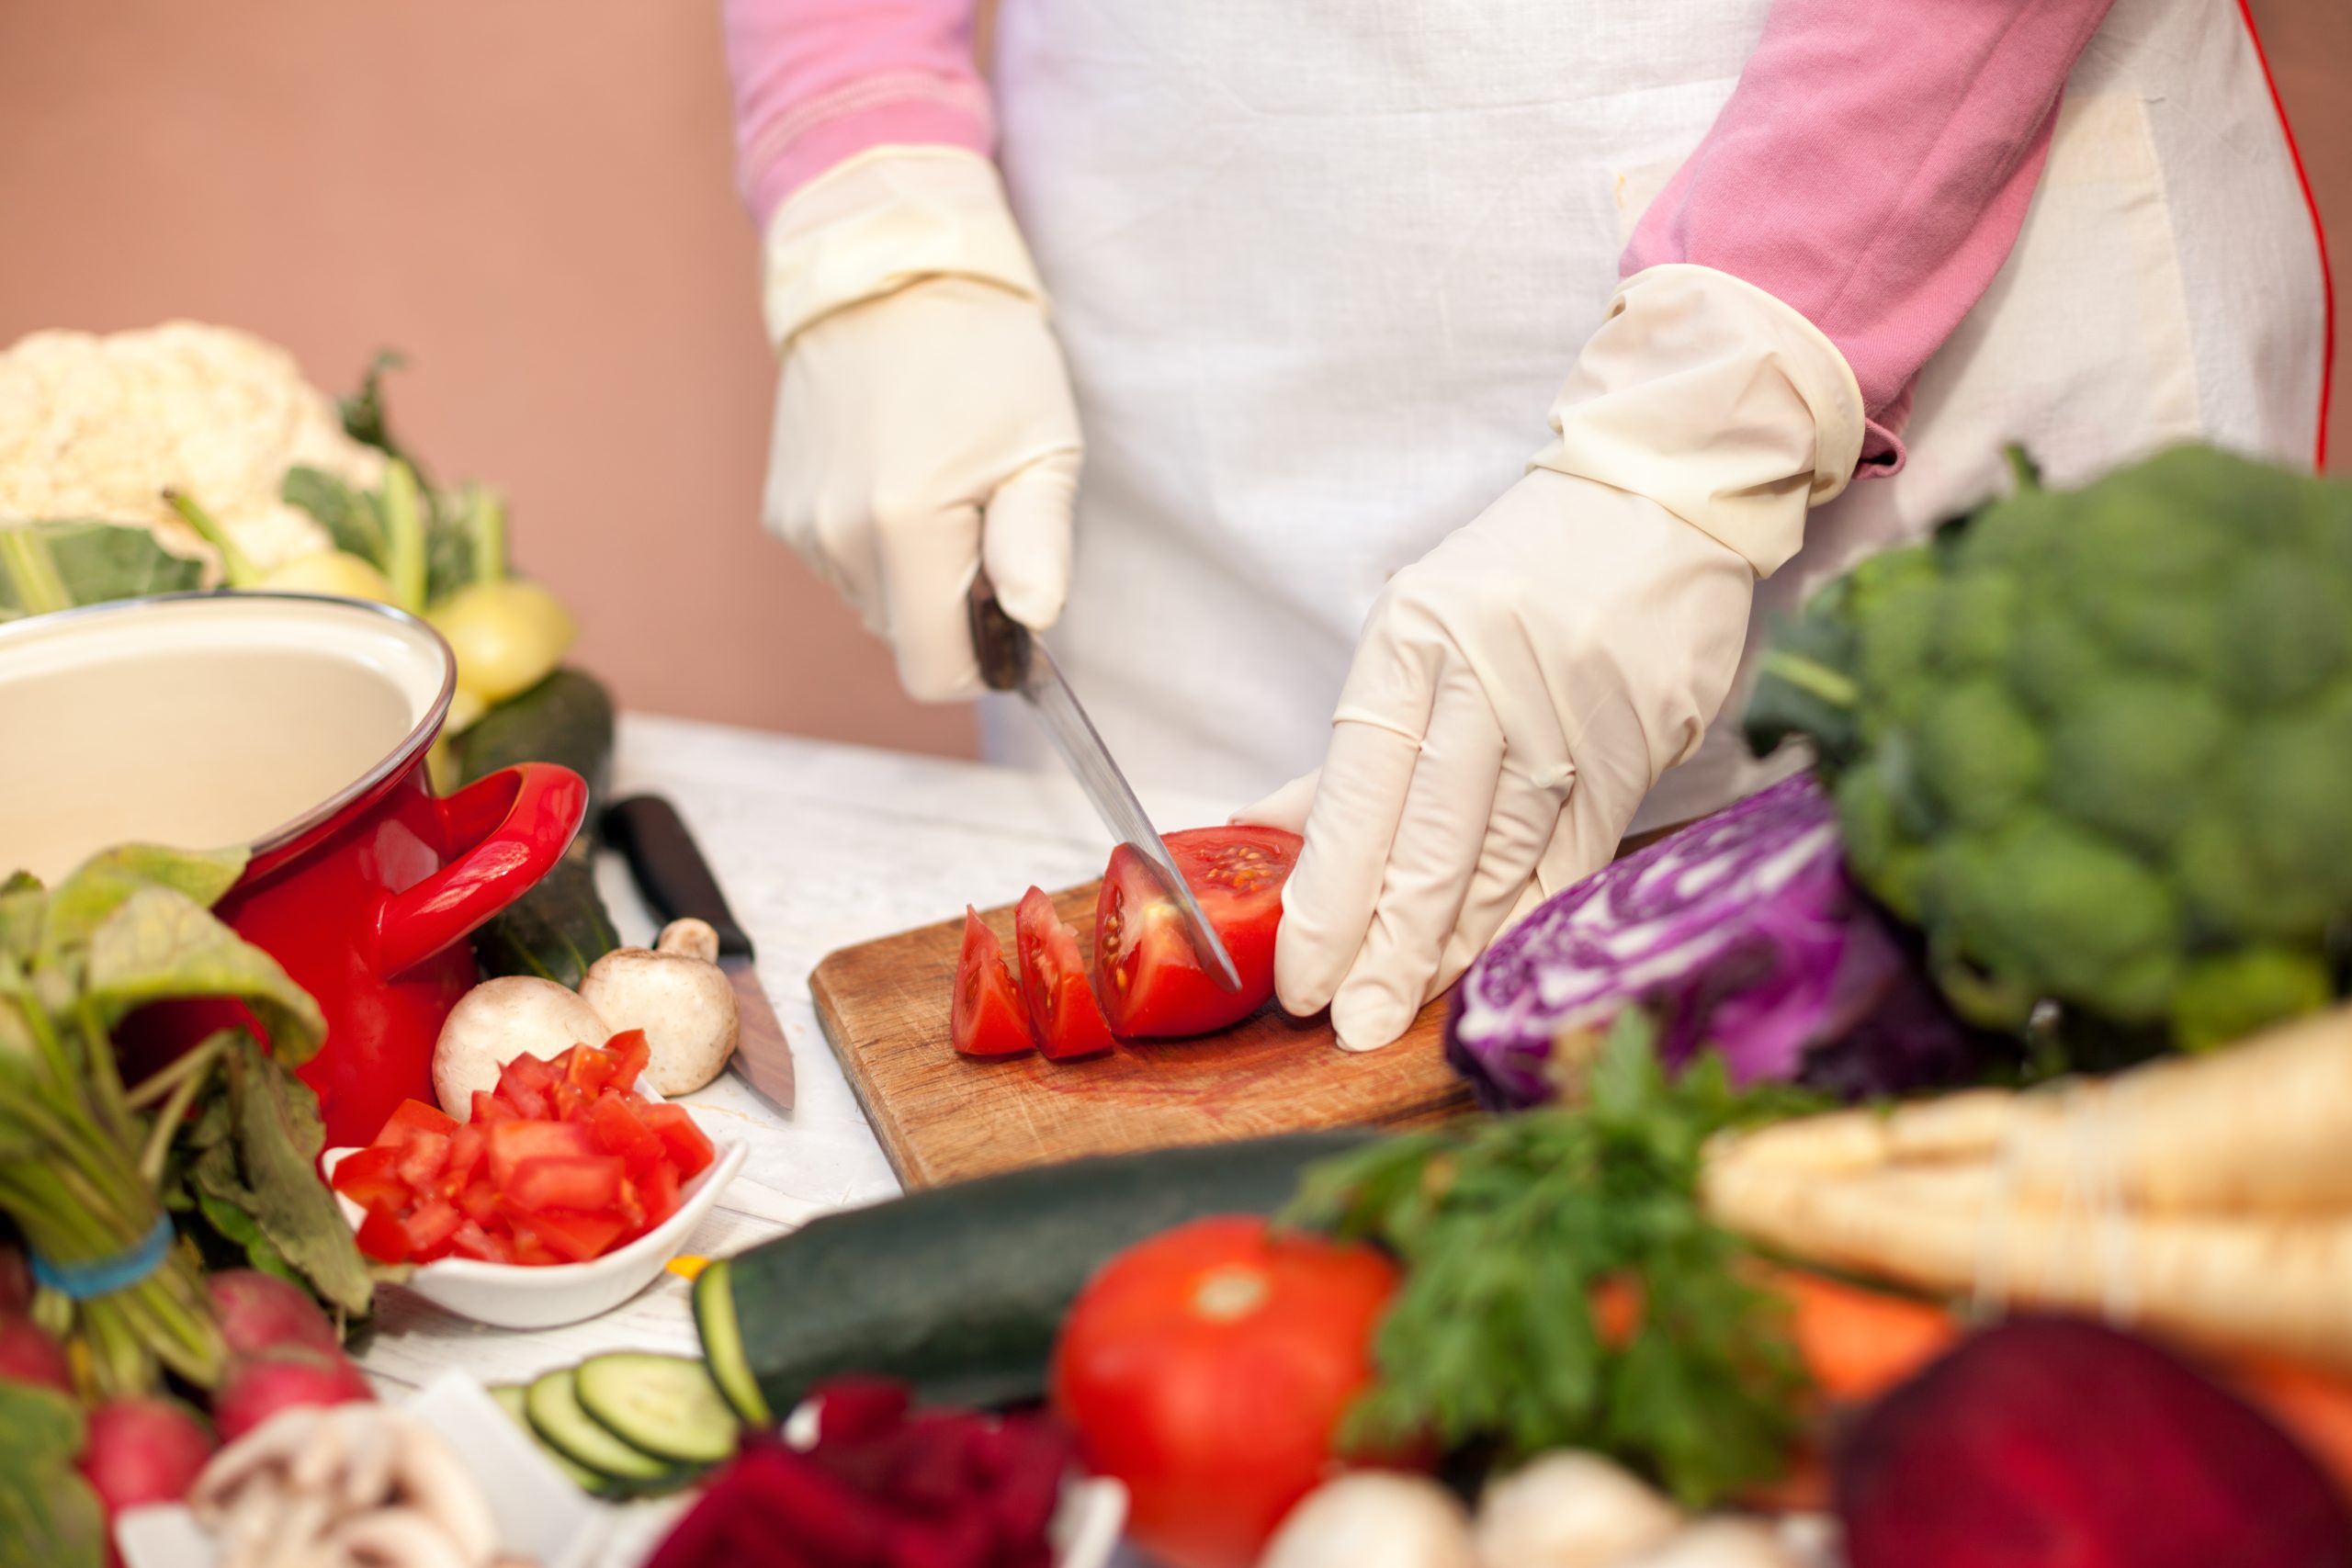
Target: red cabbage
{"x": 1741, "y": 932}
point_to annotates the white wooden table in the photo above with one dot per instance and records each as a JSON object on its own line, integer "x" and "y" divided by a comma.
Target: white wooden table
{"x": 816, "y": 846}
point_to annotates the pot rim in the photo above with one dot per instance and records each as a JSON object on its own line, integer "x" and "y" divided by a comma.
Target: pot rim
{"x": 289, "y": 838}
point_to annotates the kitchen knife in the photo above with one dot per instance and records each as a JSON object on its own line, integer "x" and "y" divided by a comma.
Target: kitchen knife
{"x": 1013, "y": 661}
{"x": 676, "y": 883}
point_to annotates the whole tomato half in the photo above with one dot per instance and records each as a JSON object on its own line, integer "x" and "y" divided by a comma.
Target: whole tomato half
{"x": 1207, "y": 1369}
{"x": 1150, "y": 982}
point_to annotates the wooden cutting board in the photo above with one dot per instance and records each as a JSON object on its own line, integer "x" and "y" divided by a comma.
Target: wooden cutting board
{"x": 945, "y": 1118}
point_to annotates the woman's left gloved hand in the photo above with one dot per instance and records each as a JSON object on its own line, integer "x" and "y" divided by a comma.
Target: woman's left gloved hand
{"x": 1518, "y": 690}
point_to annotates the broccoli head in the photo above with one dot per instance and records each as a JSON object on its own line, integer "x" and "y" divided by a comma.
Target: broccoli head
{"x": 2097, "y": 744}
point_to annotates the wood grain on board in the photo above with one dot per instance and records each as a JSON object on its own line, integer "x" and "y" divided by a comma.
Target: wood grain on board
{"x": 944, "y": 1118}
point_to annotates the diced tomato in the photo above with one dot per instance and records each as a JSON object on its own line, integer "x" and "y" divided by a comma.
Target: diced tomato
{"x": 569, "y": 1102}
{"x": 588, "y": 1069}
{"x": 430, "y": 1228}
{"x": 986, "y": 1017}
{"x": 530, "y": 1250}
{"x": 1148, "y": 979}
{"x": 589, "y": 1182}
{"x": 383, "y": 1237}
{"x": 489, "y": 1108}
{"x": 524, "y": 1083}
{"x": 511, "y": 1143}
{"x": 1063, "y": 1014}
{"x": 631, "y": 1054}
{"x": 371, "y": 1178}
{"x": 414, "y": 1116}
{"x": 467, "y": 1145}
{"x": 479, "y": 1200}
{"x": 423, "y": 1158}
{"x": 657, "y": 1192}
{"x": 687, "y": 1144}
{"x": 571, "y": 1238}
{"x": 472, "y": 1240}
{"x": 620, "y": 1130}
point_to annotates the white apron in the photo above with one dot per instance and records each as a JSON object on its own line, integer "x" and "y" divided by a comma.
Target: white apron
{"x": 1320, "y": 265}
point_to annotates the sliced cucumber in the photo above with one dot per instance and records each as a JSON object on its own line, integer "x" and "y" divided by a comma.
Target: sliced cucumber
{"x": 666, "y": 1406}
{"x": 722, "y": 1346}
{"x": 513, "y": 1399}
{"x": 553, "y": 1405}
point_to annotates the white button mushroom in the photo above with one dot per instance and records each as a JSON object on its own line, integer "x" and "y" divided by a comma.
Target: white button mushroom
{"x": 499, "y": 1021}
{"x": 1372, "y": 1519}
{"x": 1570, "y": 1509}
{"x": 678, "y": 994}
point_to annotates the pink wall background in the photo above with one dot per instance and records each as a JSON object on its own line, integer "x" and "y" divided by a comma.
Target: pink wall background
{"x": 534, "y": 201}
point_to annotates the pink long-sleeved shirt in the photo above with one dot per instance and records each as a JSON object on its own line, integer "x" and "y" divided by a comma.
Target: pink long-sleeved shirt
{"x": 1871, "y": 169}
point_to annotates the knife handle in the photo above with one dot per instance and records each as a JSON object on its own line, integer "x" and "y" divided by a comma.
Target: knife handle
{"x": 669, "y": 868}
{"x": 999, "y": 642}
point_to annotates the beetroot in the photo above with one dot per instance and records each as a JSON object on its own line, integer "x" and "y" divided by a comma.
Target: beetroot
{"x": 258, "y": 1387}
{"x": 143, "y": 1450}
{"x": 27, "y": 1355}
{"x": 260, "y": 1312}
{"x": 853, "y": 1409}
{"x": 2057, "y": 1440}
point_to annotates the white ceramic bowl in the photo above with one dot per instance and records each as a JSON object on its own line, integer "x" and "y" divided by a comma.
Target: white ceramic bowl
{"x": 545, "y": 1295}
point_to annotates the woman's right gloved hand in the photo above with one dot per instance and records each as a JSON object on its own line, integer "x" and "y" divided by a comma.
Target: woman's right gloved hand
{"x": 923, "y": 421}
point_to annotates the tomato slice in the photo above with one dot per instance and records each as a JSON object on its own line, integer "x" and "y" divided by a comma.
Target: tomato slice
{"x": 657, "y": 1192}
{"x": 986, "y": 1018}
{"x": 383, "y": 1237}
{"x": 568, "y": 1237}
{"x": 1150, "y": 983}
{"x": 631, "y": 1054}
{"x": 1063, "y": 1014}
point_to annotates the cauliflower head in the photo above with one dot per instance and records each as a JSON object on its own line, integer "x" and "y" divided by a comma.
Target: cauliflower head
{"x": 2097, "y": 745}
{"x": 98, "y": 426}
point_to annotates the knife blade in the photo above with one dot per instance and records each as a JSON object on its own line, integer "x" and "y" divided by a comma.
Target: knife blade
{"x": 1011, "y": 659}
{"x": 675, "y": 880}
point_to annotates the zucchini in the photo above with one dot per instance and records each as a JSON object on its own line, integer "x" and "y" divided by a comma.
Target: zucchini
{"x": 552, "y": 1403}
{"x": 557, "y": 929}
{"x": 566, "y": 719}
{"x": 514, "y": 1400}
{"x": 666, "y": 1406}
{"x": 960, "y": 1291}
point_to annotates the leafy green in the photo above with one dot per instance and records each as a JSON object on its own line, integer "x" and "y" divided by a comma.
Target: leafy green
{"x": 161, "y": 943}
{"x": 254, "y": 1152}
{"x": 1511, "y": 1228}
{"x": 347, "y": 514}
{"x": 56, "y": 564}
{"x": 363, "y": 411}
{"x": 49, "y": 1516}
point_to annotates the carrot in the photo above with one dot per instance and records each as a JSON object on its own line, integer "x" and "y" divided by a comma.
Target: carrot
{"x": 1857, "y": 1342}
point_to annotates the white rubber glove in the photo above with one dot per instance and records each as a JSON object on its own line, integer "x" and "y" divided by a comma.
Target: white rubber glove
{"x": 923, "y": 420}
{"x": 1518, "y": 690}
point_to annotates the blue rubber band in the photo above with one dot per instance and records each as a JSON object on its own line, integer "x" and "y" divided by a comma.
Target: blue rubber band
{"x": 105, "y": 1276}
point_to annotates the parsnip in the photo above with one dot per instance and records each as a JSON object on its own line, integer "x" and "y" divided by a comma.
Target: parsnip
{"x": 2265, "y": 1127}
{"x": 2278, "y": 1282}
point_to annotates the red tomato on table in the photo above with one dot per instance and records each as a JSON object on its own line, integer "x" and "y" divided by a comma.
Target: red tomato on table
{"x": 986, "y": 1019}
{"x": 1150, "y": 983}
{"x": 1063, "y": 1014}
{"x": 1207, "y": 1369}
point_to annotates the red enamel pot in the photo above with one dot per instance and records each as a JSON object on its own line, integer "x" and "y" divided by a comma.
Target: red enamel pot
{"x": 296, "y": 726}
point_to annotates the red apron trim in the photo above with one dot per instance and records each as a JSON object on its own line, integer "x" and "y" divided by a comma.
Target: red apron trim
{"x": 2319, "y": 235}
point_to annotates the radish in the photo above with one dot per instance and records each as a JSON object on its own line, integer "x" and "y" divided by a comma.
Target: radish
{"x": 27, "y": 1355}
{"x": 260, "y": 1312}
{"x": 258, "y": 1387}
{"x": 143, "y": 1450}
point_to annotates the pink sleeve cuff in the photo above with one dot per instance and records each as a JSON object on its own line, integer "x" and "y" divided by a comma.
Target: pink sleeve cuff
{"x": 793, "y": 151}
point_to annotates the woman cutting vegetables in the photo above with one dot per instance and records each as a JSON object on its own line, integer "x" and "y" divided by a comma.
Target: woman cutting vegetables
{"x": 1317, "y": 274}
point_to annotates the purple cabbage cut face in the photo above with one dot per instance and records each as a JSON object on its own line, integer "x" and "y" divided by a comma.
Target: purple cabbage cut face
{"x": 1740, "y": 932}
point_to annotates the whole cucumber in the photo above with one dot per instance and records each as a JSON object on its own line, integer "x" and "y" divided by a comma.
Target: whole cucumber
{"x": 960, "y": 1291}
{"x": 559, "y": 928}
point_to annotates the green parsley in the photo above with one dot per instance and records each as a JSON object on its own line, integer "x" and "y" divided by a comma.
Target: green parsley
{"x": 1506, "y": 1227}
